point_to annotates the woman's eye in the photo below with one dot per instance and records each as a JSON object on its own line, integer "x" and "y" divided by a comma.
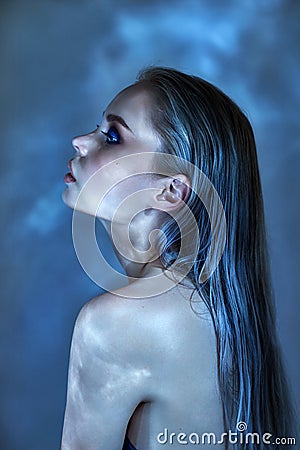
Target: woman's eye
{"x": 112, "y": 136}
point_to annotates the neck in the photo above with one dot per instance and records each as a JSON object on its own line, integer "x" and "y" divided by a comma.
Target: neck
{"x": 132, "y": 248}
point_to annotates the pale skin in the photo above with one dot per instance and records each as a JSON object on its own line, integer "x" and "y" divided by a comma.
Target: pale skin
{"x": 137, "y": 365}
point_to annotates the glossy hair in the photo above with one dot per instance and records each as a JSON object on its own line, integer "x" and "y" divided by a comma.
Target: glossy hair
{"x": 200, "y": 124}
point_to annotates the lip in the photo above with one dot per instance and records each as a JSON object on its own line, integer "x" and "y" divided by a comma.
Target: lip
{"x": 70, "y": 167}
{"x": 69, "y": 178}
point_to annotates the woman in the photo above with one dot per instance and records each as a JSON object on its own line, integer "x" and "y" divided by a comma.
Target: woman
{"x": 189, "y": 346}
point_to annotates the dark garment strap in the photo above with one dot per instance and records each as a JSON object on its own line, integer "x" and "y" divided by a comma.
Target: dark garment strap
{"x": 128, "y": 445}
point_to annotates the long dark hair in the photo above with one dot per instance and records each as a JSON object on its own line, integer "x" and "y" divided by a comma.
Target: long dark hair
{"x": 200, "y": 124}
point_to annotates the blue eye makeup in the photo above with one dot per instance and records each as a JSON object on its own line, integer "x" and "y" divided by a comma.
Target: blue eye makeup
{"x": 112, "y": 136}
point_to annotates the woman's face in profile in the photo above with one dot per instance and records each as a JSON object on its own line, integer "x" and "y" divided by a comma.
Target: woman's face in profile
{"x": 125, "y": 130}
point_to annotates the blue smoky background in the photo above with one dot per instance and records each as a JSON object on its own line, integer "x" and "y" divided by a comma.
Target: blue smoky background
{"x": 61, "y": 63}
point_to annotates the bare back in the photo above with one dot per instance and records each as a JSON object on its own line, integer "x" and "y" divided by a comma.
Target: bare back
{"x": 183, "y": 394}
{"x": 149, "y": 359}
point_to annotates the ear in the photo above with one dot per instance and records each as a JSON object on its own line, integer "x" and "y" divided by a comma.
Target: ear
{"x": 173, "y": 192}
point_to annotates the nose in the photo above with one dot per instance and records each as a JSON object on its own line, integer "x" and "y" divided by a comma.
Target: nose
{"x": 80, "y": 144}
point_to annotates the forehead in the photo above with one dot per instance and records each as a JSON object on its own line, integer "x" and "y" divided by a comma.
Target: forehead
{"x": 133, "y": 103}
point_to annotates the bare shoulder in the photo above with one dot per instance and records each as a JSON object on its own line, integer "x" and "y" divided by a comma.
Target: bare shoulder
{"x": 137, "y": 331}
{"x": 135, "y": 327}
{"x": 111, "y": 323}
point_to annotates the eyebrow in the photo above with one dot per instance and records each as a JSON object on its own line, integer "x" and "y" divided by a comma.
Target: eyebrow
{"x": 119, "y": 119}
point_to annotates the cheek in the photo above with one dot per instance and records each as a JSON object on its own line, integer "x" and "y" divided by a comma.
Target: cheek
{"x": 115, "y": 180}
{"x": 89, "y": 166}
{"x": 94, "y": 163}
{"x": 131, "y": 194}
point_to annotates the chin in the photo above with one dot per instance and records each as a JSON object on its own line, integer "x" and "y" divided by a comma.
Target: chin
{"x": 68, "y": 198}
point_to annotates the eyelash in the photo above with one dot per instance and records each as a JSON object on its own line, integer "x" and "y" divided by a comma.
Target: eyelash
{"x": 112, "y": 136}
